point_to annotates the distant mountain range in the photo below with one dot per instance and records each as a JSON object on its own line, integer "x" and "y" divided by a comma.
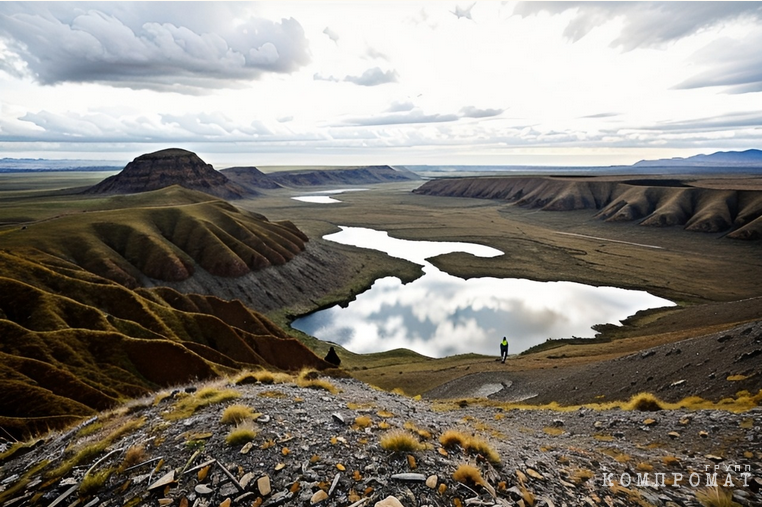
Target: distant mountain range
{"x": 12, "y": 165}
{"x": 748, "y": 158}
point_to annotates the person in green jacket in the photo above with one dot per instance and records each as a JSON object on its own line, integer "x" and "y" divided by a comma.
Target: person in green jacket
{"x": 504, "y": 349}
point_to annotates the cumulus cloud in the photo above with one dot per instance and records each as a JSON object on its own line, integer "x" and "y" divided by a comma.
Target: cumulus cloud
{"x": 154, "y": 47}
{"x": 646, "y": 24}
{"x": 398, "y": 107}
{"x": 371, "y": 77}
{"x": 331, "y": 34}
{"x": 474, "y": 112}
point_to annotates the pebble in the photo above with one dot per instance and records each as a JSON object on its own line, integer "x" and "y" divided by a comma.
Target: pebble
{"x": 389, "y": 501}
{"x": 431, "y": 481}
{"x": 203, "y": 489}
{"x": 318, "y": 497}
{"x": 263, "y": 485}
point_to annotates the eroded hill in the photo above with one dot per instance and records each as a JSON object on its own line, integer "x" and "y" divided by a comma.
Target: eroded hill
{"x": 654, "y": 202}
{"x": 164, "y": 168}
{"x": 164, "y": 235}
{"x": 74, "y": 342}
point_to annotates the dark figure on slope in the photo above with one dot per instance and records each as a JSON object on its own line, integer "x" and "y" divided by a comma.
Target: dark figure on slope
{"x": 503, "y": 349}
{"x": 332, "y": 357}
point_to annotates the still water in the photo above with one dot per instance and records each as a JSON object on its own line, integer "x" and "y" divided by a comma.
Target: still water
{"x": 440, "y": 315}
{"x": 324, "y": 197}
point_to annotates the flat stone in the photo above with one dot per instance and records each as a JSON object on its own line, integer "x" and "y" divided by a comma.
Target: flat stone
{"x": 338, "y": 418}
{"x": 673, "y": 434}
{"x": 203, "y": 489}
{"x": 246, "y": 448}
{"x": 168, "y": 478}
{"x": 389, "y": 501}
{"x": 410, "y": 477}
{"x": 318, "y": 497}
{"x": 263, "y": 485}
{"x": 431, "y": 481}
{"x": 246, "y": 479}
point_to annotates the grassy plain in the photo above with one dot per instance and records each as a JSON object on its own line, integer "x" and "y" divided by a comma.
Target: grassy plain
{"x": 713, "y": 279}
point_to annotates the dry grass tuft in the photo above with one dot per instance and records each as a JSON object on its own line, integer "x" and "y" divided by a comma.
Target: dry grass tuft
{"x": 363, "y": 421}
{"x": 241, "y": 434}
{"x": 715, "y": 497}
{"x": 236, "y": 414}
{"x": 452, "y": 438}
{"x": 468, "y": 474}
{"x": 399, "y": 440}
{"x": 469, "y": 443}
{"x": 423, "y": 433}
{"x": 187, "y": 406}
{"x": 316, "y": 383}
{"x": 134, "y": 455}
{"x": 644, "y": 402}
{"x": 93, "y": 482}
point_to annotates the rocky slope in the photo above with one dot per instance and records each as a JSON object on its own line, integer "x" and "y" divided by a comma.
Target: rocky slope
{"x": 655, "y": 202}
{"x": 301, "y": 444}
{"x": 173, "y": 166}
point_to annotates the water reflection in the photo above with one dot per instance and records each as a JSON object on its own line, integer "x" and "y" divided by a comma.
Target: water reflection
{"x": 440, "y": 315}
{"x": 324, "y": 197}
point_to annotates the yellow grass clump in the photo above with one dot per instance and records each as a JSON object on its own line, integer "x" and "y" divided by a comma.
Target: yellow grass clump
{"x": 715, "y": 497}
{"x": 134, "y": 455}
{"x": 399, "y": 440}
{"x": 468, "y": 474}
{"x": 469, "y": 443}
{"x": 363, "y": 421}
{"x": 309, "y": 378}
{"x": 241, "y": 434}
{"x": 423, "y": 433}
{"x": 644, "y": 402}
{"x": 94, "y": 481}
{"x": 236, "y": 414}
{"x": 187, "y": 406}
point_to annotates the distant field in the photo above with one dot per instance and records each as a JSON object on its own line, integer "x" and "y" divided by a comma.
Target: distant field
{"x": 19, "y": 184}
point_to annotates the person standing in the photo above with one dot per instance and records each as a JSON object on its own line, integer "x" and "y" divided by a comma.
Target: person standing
{"x": 504, "y": 349}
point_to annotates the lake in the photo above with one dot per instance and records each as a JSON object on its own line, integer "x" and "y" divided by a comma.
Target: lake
{"x": 441, "y": 315}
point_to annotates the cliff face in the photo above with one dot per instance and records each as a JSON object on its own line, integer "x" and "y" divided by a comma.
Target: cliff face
{"x": 658, "y": 203}
{"x": 165, "y": 168}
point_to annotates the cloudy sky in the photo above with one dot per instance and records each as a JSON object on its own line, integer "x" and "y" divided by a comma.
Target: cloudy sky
{"x": 397, "y": 82}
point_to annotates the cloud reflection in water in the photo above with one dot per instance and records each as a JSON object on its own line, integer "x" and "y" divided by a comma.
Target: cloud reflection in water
{"x": 439, "y": 315}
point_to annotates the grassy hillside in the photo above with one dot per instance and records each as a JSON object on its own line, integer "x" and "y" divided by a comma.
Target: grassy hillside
{"x": 163, "y": 235}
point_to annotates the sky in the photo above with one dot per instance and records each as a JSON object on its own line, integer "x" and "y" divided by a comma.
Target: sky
{"x": 389, "y": 82}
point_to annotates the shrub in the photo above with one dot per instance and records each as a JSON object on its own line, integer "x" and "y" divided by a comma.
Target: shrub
{"x": 236, "y": 414}
{"x": 241, "y": 434}
{"x": 400, "y": 441}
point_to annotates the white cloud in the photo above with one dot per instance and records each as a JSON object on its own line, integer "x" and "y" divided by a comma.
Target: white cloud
{"x": 98, "y": 47}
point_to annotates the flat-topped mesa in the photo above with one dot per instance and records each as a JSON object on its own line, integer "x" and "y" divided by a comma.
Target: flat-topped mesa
{"x": 173, "y": 166}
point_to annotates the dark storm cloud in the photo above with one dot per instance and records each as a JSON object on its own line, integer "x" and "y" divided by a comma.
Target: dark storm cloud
{"x": 646, "y": 24}
{"x": 162, "y": 46}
